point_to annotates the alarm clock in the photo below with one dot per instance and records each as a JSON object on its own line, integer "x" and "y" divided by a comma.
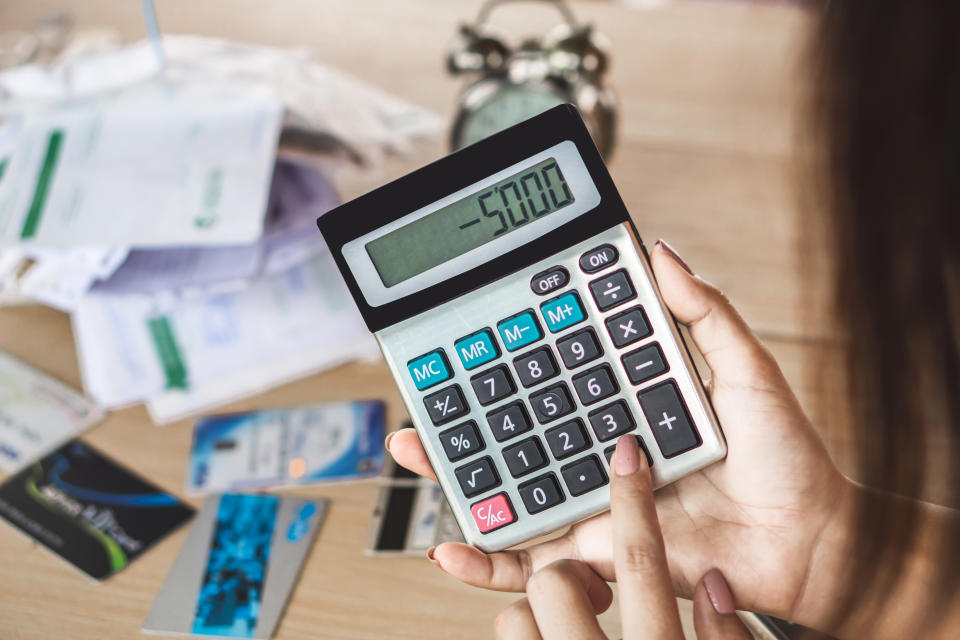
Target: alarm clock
{"x": 512, "y": 84}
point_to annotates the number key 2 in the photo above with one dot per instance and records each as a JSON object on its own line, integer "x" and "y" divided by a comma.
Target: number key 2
{"x": 567, "y": 439}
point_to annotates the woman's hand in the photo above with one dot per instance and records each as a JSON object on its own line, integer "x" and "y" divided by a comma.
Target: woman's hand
{"x": 771, "y": 517}
{"x": 565, "y": 597}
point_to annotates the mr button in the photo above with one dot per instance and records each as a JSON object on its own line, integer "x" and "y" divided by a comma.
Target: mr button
{"x": 476, "y": 349}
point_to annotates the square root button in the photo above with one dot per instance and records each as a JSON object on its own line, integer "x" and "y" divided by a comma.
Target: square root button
{"x": 493, "y": 513}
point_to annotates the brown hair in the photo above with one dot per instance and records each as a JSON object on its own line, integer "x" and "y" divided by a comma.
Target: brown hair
{"x": 886, "y": 112}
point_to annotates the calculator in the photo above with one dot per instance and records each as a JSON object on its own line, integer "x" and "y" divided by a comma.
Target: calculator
{"x": 515, "y": 307}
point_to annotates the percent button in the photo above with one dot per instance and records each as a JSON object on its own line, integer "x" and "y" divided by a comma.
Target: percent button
{"x": 461, "y": 441}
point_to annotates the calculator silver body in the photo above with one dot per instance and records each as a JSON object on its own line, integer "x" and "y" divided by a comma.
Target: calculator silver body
{"x": 484, "y": 308}
{"x": 446, "y": 256}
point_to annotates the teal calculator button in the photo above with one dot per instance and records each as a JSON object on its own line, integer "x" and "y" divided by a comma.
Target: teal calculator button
{"x": 476, "y": 349}
{"x": 429, "y": 369}
{"x": 519, "y": 331}
{"x": 562, "y": 312}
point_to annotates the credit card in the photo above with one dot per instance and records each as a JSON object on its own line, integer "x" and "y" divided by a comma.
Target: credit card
{"x": 410, "y": 517}
{"x": 87, "y": 509}
{"x": 237, "y": 567}
{"x": 283, "y": 447}
{"x": 37, "y": 413}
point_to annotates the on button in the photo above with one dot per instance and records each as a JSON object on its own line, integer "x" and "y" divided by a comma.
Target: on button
{"x": 549, "y": 280}
{"x": 599, "y": 258}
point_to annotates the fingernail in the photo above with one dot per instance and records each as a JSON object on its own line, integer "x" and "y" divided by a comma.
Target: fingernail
{"x": 670, "y": 251}
{"x": 719, "y": 592}
{"x": 433, "y": 560}
{"x": 386, "y": 441}
{"x": 627, "y": 456}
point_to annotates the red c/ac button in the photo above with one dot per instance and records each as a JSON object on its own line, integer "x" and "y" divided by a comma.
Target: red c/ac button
{"x": 493, "y": 513}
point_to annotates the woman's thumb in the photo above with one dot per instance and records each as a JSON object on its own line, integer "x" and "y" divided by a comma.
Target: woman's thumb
{"x": 714, "y": 614}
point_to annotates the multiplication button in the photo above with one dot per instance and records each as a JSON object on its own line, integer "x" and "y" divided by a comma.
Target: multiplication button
{"x": 612, "y": 290}
{"x": 477, "y": 476}
{"x": 628, "y": 327}
{"x": 445, "y": 405}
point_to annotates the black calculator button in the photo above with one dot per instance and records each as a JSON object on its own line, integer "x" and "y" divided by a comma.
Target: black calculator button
{"x": 550, "y": 280}
{"x": 583, "y": 475}
{"x": 608, "y": 452}
{"x": 595, "y": 384}
{"x": 524, "y": 457}
{"x": 645, "y": 363}
{"x": 598, "y": 259}
{"x": 492, "y": 385}
{"x": 540, "y": 493}
{"x": 461, "y": 441}
{"x": 551, "y": 403}
{"x": 446, "y": 405}
{"x": 477, "y": 476}
{"x": 628, "y": 327}
{"x": 612, "y": 290}
{"x": 535, "y": 367}
{"x": 668, "y": 419}
{"x": 567, "y": 439}
{"x": 611, "y": 421}
{"x": 579, "y": 348}
{"x": 509, "y": 421}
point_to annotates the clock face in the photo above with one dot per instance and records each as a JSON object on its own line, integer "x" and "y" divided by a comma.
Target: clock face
{"x": 507, "y": 106}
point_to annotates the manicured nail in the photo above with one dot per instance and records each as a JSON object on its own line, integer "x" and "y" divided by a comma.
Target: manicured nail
{"x": 670, "y": 251}
{"x": 627, "y": 456}
{"x": 433, "y": 560}
{"x": 719, "y": 592}
{"x": 386, "y": 441}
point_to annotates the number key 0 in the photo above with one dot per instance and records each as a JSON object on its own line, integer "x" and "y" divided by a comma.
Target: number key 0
{"x": 540, "y": 493}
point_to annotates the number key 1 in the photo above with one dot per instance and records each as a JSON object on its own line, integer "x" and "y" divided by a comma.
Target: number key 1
{"x": 579, "y": 348}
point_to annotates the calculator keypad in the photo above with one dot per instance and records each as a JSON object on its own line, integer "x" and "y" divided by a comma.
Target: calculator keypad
{"x": 492, "y": 385}
{"x": 555, "y": 394}
{"x": 536, "y": 367}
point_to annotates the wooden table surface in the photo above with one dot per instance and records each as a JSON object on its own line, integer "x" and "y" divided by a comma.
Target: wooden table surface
{"x": 708, "y": 94}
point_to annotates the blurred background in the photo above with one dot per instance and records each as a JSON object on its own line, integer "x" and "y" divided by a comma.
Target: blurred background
{"x": 161, "y": 169}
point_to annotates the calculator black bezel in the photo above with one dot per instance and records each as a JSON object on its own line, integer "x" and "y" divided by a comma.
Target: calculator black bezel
{"x": 456, "y": 171}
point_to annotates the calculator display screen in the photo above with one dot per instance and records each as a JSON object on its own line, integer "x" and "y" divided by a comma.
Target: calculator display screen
{"x": 465, "y": 224}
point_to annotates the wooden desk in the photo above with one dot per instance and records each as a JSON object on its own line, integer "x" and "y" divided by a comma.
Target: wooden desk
{"x": 703, "y": 160}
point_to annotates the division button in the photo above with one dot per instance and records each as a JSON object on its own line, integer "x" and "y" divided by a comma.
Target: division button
{"x": 645, "y": 363}
{"x": 461, "y": 441}
{"x": 477, "y": 476}
{"x": 445, "y": 405}
{"x": 628, "y": 327}
{"x": 550, "y": 280}
{"x": 540, "y": 493}
{"x": 583, "y": 475}
{"x": 612, "y": 290}
{"x": 493, "y": 513}
{"x": 598, "y": 259}
{"x": 668, "y": 419}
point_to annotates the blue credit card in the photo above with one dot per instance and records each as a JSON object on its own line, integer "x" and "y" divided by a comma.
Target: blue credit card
{"x": 282, "y": 447}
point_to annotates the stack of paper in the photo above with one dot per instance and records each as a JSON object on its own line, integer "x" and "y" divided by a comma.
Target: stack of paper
{"x": 169, "y": 208}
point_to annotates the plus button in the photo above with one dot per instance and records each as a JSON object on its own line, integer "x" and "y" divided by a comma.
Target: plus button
{"x": 667, "y": 421}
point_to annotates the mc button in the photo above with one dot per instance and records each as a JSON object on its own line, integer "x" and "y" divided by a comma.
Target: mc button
{"x": 429, "y": 369}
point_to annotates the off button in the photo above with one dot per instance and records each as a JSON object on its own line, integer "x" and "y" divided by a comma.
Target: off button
{"x": 550, "y": 280}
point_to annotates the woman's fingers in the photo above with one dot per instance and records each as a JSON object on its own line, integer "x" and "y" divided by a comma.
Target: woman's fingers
{"x": 714, "y": 616}
{"x": 648, "y": 606}
{"x": 405, "y": 447}
{"x": 565, "y": 597}
{"x": 732, "y": 351}
{"x": 516, "y": 622}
